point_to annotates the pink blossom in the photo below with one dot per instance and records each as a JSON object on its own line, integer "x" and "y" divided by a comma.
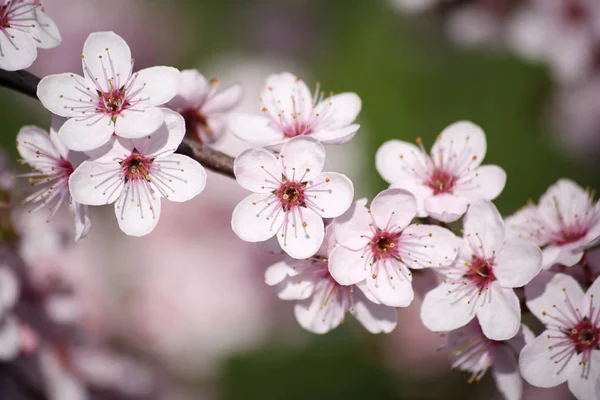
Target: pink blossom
{"x": 291, "y": 196}
{"x": 566, "y": 221}
{"x": 204, "y": 109}
{"x": 380, "y": 245}
{"x": 290, "y": 110}
{"x": 567, "y": 351}
{"x": 470, "y": 350}
{"x": 52, "y": 165}
{"x": 480, "y": 282}
{"x": 135, "y": 174}
{"x": 446, "y": 182}
{"x": 110, "y": 98}
{"x": 322, "y": 302}
{"x": 24, "y": 27}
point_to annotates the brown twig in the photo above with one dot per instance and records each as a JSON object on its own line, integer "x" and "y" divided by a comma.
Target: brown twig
{"x": 26, "y": 83}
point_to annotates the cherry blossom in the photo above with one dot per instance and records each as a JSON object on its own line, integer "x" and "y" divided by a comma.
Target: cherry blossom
{"x": 470, "y": 350}
{"x": 24, "y": 27}
{"x": 52, "y": 165}
{"x": 322, "y": 302}
{"x": 567, "y": 220}
{"x": 449, "y": 179}
{"x": 110, "y": 98}
{"x": 568, "y": 350}
{"x": 136, "y": 173}
{"x": 291, "y": 196}
{"x": 204, "y": 109}
{"x": 380, "y": 245}
{"x": 290, "y": 110}
{"x": 480, "y": 283}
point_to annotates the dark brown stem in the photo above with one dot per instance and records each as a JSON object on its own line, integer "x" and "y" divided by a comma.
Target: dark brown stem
{"x": 26, "y": 83}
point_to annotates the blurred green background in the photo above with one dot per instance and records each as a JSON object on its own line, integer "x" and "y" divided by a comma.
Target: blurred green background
{"x": 413, "y": 82}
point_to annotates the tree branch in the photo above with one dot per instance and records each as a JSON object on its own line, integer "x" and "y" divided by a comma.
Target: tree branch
{"x": 26, "y": 83}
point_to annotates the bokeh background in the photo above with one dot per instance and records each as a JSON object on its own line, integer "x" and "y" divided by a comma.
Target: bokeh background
{"x": 189, "y": 300}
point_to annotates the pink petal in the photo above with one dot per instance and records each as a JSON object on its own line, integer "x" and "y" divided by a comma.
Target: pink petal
{"x": 445, "y": 207}
{"x": 545, "y": 294}
{"x": 506, "y": 374}
{"x": 135, "y": 124}
{"x": 395, "y": 161}
{"x": 376, "y": 318}
{"x": 393, "y": 209}
{"x": 192, "y": 89}
{"x": 257, "y": 170}
{"x": 538, "y": 368}
{"x": 442, "y": 310}
{"x": 253, "y": 220}
{"x": 225, "y": 101}
{"x": 420, "y": 190}
{"x": 463, "y": 142}
{"x": 484, "y": 229}
{"x": 302, "y": 233}
{"x": 86, "y": 134}
{"x": 137, "y": 211}
{"x": 526, "y": 224}
{"x": 180, "y": 177}
{"x": 286, "y": 92}
{"x": 564, "y": 255}
{"x": 500, "y": 314}
{"x": 302, "y": 158}
{"x": 352, "y": 227}
{"x": 254, "y": 129}
{"x": 562, "y": 203}
{"x": 347, "y": 266}
{"x": 103, "y": 64}
{"x": 334, "y": 196}
{"x": 517, "y": 264}
{"x": 154, "y": 86}
{"x": 486, "y": 182}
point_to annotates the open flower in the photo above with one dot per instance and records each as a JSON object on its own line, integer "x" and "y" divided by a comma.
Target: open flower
{"x": 446, "y": 182}
{"x": 290, "y": 110}
{"x": 291, "y": 196}
{"x": 379, "y": 245}
{"x": 569, "y": 348}
{"x": 567, "y": 220}
{"x": 110, "y": 98}
{"x": 322, "y": 302}
{"x": 23, "y": 28}
{"x": 204, "y": 109}
{"x": 52, "y": 165}
{"x": 136, "y": 173}
{"x": 481, "y": 280}
{"x": 471, "y": 351}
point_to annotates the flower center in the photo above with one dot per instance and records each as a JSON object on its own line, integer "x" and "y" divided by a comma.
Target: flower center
{"x": 291, "y": 194}
{"x": 480, "y": 272}
{"x": 441, "y": 181}
{"x": 569, "y": 235}
{"x": 296, "y": 129}
{"x": 384, "y": 245}
{"x": 136, "y": 167}
{"x": 585, "y": 336}
{"x": 113, "y": 102}
{"x": 574, "y": 11}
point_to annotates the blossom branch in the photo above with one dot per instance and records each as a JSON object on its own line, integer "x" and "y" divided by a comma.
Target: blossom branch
{"x": 26, "y": 83}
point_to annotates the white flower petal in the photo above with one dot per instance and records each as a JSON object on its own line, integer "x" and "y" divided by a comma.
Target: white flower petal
{"x": 336, "y": 137}
{"x": 376, "y": 318}
{"x": 390, "y": 286}
{"x": 563, "y": 204}
{"x": 286, "y": 92}
{"x": 290, "y": 283}
{"x": 526, "y": 224}
{"x": 9, "y": 339}
{"x": 106, "y": 56}
{"x": 36, "y": 148}
{"x": 418, "y": 189}
{"x": 257, "y": 170}
{"x": 163, "y": 141}
{"x": 135, "y": 124}
{"x": 428, "y": 246}
{"x": 320, "y": 314}
{"x": 277, "y": 272}
{"x": 462, "y": 142}
{"x": 191, "y": 90}
{"x": 64, "y": 94}
{"x": 352, "y": 228}
{"x": 137, "y": 209}
{"x": 19, "y": 50}
{"x": 586, "y": 387}
{"x": 55, "y": 124}
{"x": 302, "y": 157}
{"x": 548, "y": 292}
{"x": 332, "y": 197}
{"x": 83, "y": 222}
{"x": 254, "y": 129}
{"x": 96, "y": 183}
{"x": 443, "y": 311}
{"x": 484, "y": 229}
{"x": 347, "y": 266}
{"x": 396, "y": 159}
{"x": 499, "y": 314}
{"x": 302, "y": 233}
{"x": 445, "y": 207}
{"x": 179, "y": 177}
{"x": 536, "y": 365}
{"x": 563, "y": 255}
{"x": 341, "y": 110}
{"x": 225, "y": 101}
{"x": 486, "y": 182}
{"x": 45, "y": 32}
{"x": 154, "y": 86}
{"x": 517, "y": 264}
{"x": 506, "y": 374}
{"x": 253, "y": 220}
{"x": 86, "y": 134}
{"x": 393, "y": 209}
